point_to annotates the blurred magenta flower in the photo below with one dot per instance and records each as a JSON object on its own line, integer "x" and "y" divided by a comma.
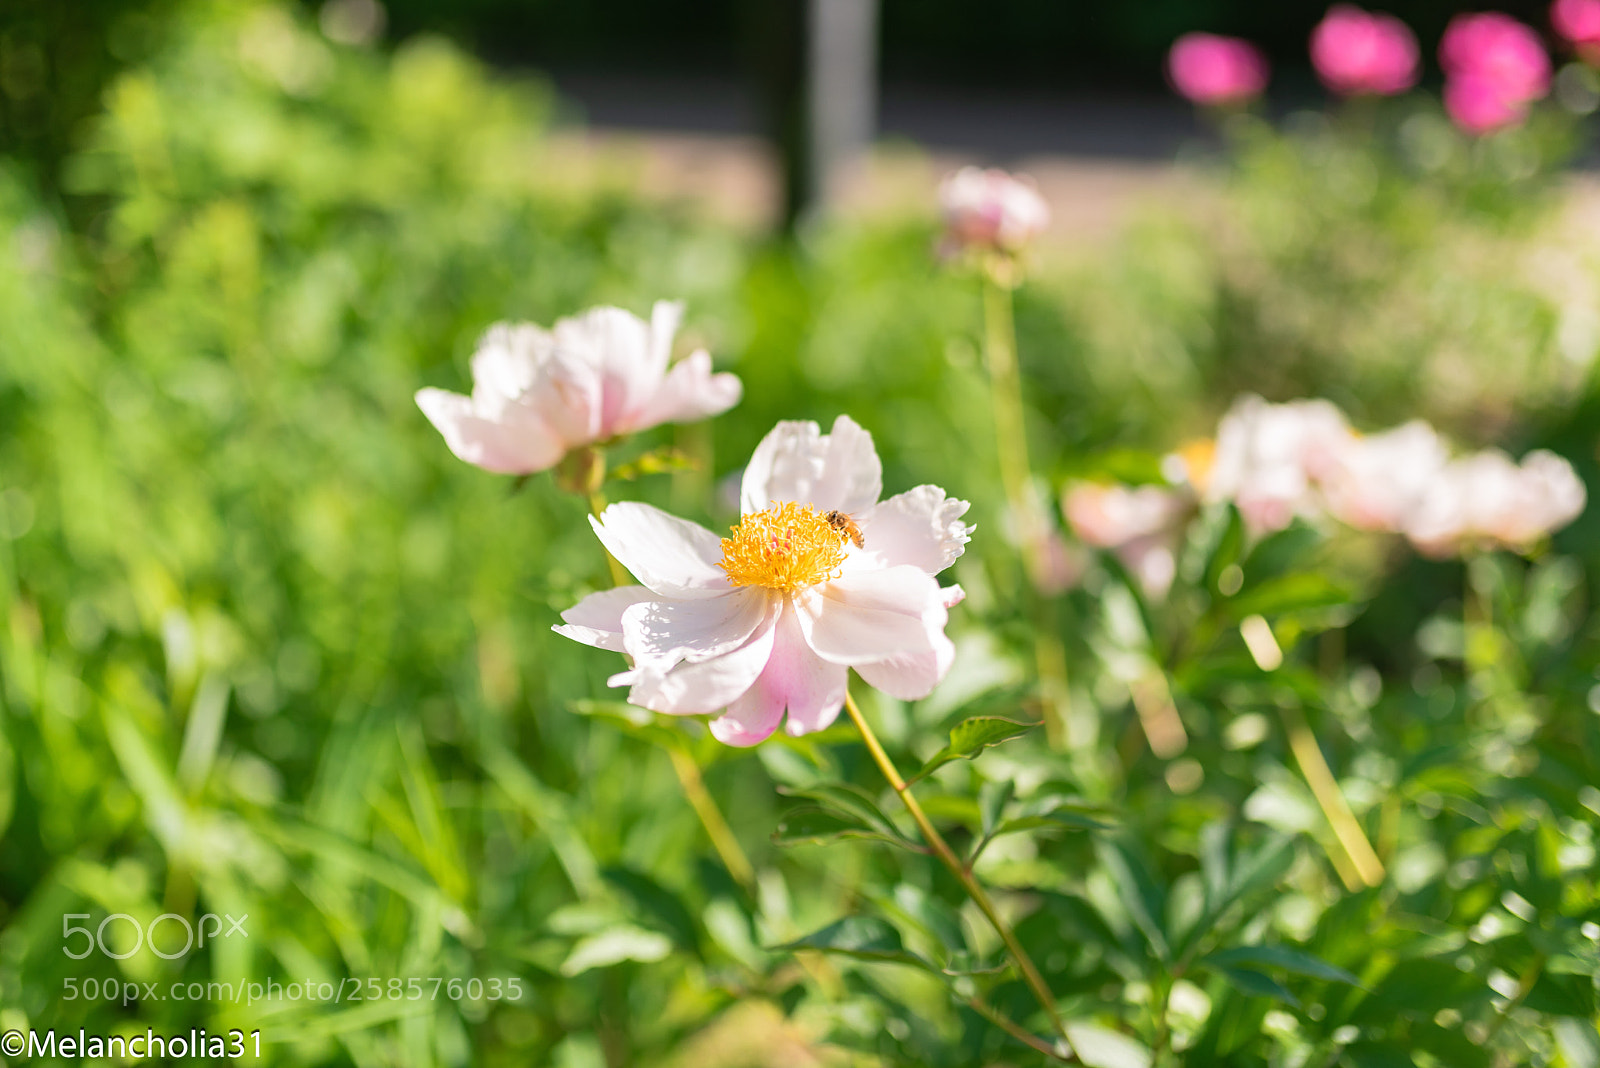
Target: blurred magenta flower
{"x": 1356, "y": 52}
{"x": 1578, "y": 22}
{"x": 991, "y": 210}
{"x": 537, "y": 394}
{"x": 1494, "y": 68}
{"x": 1213, "y": 70}
{"x": 771, "y": 618}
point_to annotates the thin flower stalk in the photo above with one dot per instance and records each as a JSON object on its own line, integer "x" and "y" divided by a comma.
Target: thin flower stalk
{"x": 975, "y": 890}
{"x": 1367, "y": 868}
{"x": 1016, "y": 477}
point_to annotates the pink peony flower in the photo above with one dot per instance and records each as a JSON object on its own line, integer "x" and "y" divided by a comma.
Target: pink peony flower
{"x": 1577, "y": 21}
{"x": 1376, "y": 482}
{"x": 770, "y": 619}
{"x": 1270, "y": 457}
{"x": 1355, "y": 52}
{"x": 1141, "y": 525}
{"x": 537, "y": 394}
{"x": 1494, "y": 67}
{"x": 1211, "y": 70}
{"x": 990, "y": 209}
{"x": 1487, "y": 500}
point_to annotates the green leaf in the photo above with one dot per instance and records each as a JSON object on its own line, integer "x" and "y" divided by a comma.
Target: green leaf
{"x": 971, "y": 737}
{"x": 632, "y": 720}
{"x": 1299, "y": 591}
{"x": 657, "y": 905}
{"x": 850, "y": 803}
{"x": 615, "y": 945}
{"x": 1377, "y": 1055}
{"x": 1257, "y": 984}
{"x": 992, "y": 800}
{"x": 861, "y": 937}
{"x": 1290, "y": 960}
{"x": 1101, "y": 1047}
{"x": 1229, "y": 547}
{"x": 1139, "y": 893}
{"x": 814, "y": 825}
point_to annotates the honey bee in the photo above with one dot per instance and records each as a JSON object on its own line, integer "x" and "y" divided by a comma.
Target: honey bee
{"x": 846, "y": 526}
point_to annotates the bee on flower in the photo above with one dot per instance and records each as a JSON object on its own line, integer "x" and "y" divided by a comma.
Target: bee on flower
{"x": 766, "y": 622}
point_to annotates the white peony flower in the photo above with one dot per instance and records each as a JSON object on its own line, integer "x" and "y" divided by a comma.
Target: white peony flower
{"x": 1487, "y": 499}
{"x": 990, "y": 209}
{"x": 537, "y": 394}
{"x": 770, "y": 618}
{"x": 1377, "y": 482}
{"x": 1269, "y": 458}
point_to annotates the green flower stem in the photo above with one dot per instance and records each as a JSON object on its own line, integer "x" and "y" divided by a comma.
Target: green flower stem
{"x": 1016, "y": 478}
{"x": 974, "y": 889}
{"x": 683, "y": 764}
{"x": 1367, "y": 868}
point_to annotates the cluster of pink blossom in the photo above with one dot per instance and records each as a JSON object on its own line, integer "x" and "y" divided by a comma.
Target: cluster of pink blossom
{"x": 1495, "y": 67}
{"x": 1279, "y": 462}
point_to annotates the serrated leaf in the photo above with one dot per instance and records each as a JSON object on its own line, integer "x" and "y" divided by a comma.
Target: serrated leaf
{"x": 863, "y": 938}
{"x": 1290, "y": 960}
{"x": 1258, "y": 984}
{"x": 971, "y": 737}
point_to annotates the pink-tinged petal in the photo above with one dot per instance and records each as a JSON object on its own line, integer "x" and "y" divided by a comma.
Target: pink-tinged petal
{"x": 568, "y": 395}
{"x": 517, "y": 444}
{"x": 597, "y": 619}
{"x": 672, "y": 556}
{"x": 797, "y": 462}
{"x": 912, "y": 676}
{"x": 870, "y": 616}
{"x": 921, "y": 527}
{"x": 617, "y": 342}
{"x": 689, "y": 392}
{"x": 699, "y": 688}
{"x": 699, "y": 629}
{"x": 795, "y": 678}
{"x": 950, "y": 596}
{"x": 665, "y": 318}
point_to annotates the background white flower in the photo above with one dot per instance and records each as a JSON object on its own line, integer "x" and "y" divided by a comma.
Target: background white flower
{"x": 1269, "y": 458}
{"x": 537, "y": 394}
{"x": 991, "y": 209}
{"x": 770, "y": 619}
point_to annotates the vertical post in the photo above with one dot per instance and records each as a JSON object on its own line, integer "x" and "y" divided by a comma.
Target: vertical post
{"x": 841, "y": 91}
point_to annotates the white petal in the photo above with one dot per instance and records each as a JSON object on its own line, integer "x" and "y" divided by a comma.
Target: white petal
{"x": 912, "y": 676}
{"x": 689, "y": 392}
{"x": 797, "y": 462}
{"x": 597, "y": 619}
{"x": 795, "y": 678}
{"x": 698, "y": 629}
{"x": 921, "y": 527}
{"x": 704, "y": 687}
{"x": 874, "y": 615}
{"x": 507, "y": 359}
{"x": 674, "y": 557}
{"x": 517, "y": 444}
{"x": 665, "y": 318}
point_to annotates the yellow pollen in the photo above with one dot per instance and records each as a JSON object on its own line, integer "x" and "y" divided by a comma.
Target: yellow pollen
{"x": 787, "y": 547}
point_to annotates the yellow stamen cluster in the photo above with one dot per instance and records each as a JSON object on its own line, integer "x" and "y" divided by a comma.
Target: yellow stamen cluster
{"x": 787, "y": 547}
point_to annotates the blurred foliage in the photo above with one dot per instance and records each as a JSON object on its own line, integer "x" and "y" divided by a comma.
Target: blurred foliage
{"x": 266, "y": 648}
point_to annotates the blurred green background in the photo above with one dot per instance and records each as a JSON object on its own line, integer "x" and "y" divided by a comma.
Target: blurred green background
{"x": 268, "y": 649}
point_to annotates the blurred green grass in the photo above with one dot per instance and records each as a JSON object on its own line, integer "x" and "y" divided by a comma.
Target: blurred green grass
{"x": 268, "y": 648}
